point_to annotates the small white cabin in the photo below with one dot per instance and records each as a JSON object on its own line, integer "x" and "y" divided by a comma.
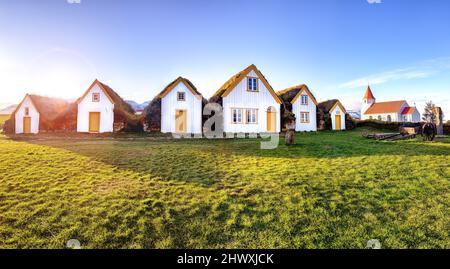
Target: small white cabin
{"x": 181, "y": 108}
{"x": 36, "y": 114}
{"x": 336, "y": 112}
{"x": 95, "y": 110}
{"x": 27, "y": 117}
{"x": 338, "y": 117}
{"x": 300, "y": 101}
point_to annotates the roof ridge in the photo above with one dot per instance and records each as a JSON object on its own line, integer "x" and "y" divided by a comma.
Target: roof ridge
{"x": 292, "y": 88}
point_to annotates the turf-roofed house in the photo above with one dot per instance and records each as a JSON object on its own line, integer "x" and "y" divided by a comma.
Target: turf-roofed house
{"x": 392, "y": 111}
{"x": 35, "y": 114}
{"x": 300, "y": 101}
{"x": 102, "y": 110}
{"x": 334, "y": 114}
{"x": 250, "y": 105}
{"x": 176, "y": 109}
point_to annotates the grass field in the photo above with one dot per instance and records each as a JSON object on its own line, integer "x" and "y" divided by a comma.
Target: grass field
{"x": 330, "y": 190}
{"x": 4, "y": 118}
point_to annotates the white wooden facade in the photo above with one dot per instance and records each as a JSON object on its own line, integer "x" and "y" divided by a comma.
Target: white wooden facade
{"x": 102, "y": 104}
{"x": 181, "y": 98}
{"x": 246, "y": 111}
{"x": 304, "y": 107}
{"x": 338, "y": 110}
{"x": 27, "y": 113}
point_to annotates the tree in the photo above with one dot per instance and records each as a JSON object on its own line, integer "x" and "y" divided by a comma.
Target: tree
{"x": 429, "y": 113}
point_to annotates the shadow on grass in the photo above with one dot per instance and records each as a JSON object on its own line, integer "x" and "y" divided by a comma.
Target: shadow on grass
{"x": 207, "y": 162}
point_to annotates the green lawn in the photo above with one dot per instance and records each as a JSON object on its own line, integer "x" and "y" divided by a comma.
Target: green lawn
{"x": 330, "y": 190}
{"x": 4, "y": 118}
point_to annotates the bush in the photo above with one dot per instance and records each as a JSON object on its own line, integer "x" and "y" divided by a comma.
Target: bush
{"x": 8, "y": 126}
{"x": 447, "y": 129}
{"x": 393, "y": 126}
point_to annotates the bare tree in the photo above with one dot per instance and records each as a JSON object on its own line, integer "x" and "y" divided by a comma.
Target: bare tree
{"x": 429, "y": 113}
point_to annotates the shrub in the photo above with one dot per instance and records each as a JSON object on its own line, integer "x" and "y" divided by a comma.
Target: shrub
{"x": 393, "y": 126}
{"x": 447, "y": 129}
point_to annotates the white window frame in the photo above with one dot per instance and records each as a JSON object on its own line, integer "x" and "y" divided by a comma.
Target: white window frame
{"x": 239, "y": 116}
{"x": 252, "y": 84}
{"x": 179, "y": 94}
{"x": 304, "y": 102}
{"x": 304, "y": 117}
{"x": 96, "y": 97}
{"x": 252, "y": 114}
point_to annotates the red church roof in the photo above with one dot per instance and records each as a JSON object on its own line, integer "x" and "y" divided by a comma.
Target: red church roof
{"x": 368, "y": 94}
{"x": 408, "y": 110}
{"x": 385, "y": 107}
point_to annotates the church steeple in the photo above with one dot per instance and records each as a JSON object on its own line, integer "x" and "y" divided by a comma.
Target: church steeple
{"x": 368, "y": 100}
{"x": 368, "y": 95}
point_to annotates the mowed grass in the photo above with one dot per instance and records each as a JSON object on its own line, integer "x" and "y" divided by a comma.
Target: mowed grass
{"x": 330, "y": 190}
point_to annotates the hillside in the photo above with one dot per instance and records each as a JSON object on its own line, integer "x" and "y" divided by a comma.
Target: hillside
{"x": 8, "y": 110}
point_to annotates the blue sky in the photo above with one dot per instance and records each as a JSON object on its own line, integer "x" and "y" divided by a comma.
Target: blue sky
{"x": 400, "y": 47}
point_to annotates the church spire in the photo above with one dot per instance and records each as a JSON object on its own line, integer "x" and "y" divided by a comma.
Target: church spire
{"x": 368, "y": 95}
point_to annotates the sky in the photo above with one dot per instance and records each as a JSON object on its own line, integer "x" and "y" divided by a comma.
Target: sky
{"x": 336, "y": 47}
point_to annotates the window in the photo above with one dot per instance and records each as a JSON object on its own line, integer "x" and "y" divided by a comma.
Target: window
{"x": 304, "y": 100}
{"x": 370, "y": 118}
{"x": 27, "y": 111}
{"x": 405, "y": 118}
{"x": 304, "y": 117}
{"x": 181, "y": 96}
{"x": 252, "y": 84}
{"x": 389, "y": 118}
{"x": 236, "y": 115}
{"x": 96, "y": 97}
{"x": 252, "y": 117}
{"x": 379, "y": 118}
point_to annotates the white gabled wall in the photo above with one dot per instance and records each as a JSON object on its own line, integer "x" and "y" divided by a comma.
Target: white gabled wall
{"x": 297, "y": 108}
{"x": 337, "y": 110}
{"x": 239, "y": 97}
{"x": 105, "y": 107}
{"x": 33, "y": 114}
{"x": 415, "y": 117}
{"x": 170, "y": 104}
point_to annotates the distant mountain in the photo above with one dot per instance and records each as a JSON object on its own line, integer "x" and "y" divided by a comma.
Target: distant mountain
{"x": 354, "y": 114}
{"x": 136, "y": 106}
{"x": 8, "y": 110}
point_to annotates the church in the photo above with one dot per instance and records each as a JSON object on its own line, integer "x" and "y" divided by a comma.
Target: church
{"x": 392, "y": 111}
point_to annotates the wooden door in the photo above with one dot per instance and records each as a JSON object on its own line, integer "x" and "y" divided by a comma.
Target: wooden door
{"x": 94, "y": 122}
{"x": 337, "y": 122}
{"x": 271, "y": 122}
{"x": 180, "y": 121}
{"x": 26, "y": 125}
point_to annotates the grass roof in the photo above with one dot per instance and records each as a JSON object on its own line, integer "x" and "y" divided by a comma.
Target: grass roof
{"x": 172, "y": 84}
{"x": 327, "y": 105}
{"x": 236, "y": 79}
